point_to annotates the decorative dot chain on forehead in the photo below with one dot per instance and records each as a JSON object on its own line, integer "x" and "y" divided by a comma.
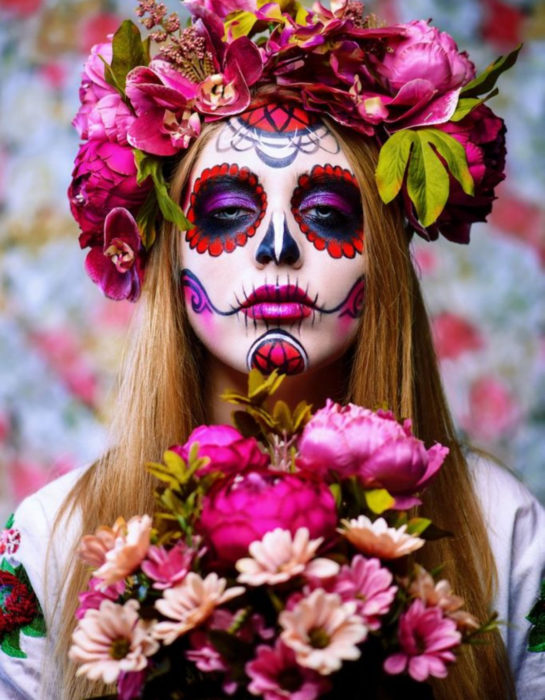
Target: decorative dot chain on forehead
{"x": 273, "y": 67}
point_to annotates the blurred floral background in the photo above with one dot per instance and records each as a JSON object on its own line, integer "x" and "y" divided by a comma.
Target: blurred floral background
{"x": 61, "y": 341}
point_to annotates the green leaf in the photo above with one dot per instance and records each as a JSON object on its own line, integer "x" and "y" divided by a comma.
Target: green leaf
{"x": 246, "y": 424}
{"x": 416, "y": 526}
{"x": 392, "y": 164}
{"x": 452, "y": 151}
{"x": 146, "y": 219}
{"x": 301, "y": 415}
{"x": 282, "y": 416}
{"x": 36, "y": 628}
{"x": 240, "y": 23}
{"x": 337, "y": 494}
{"x": 151, "y": 166}
{"x": 11, "y": 645}
{"x": 467, "y": 105}
{"x": 378, "y": 500}
{"x": 128, "y": 51}
{"x": 267, "y": 387}
{"x": 486, "y": 81}
{"x": 427, "y": 180}
{"x": 10, "y": 521}
{"x": 536, "y": 639}
{"x": 6, "y": 566}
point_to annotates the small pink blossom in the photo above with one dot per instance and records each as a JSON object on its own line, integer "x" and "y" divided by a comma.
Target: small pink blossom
{"x": 427, "y": 640}
{"x": 169, "y": 567}
{"x": 110, "y": 640}
{"x": 454, "y": 335}
{"x": 92, "y": 598}
{"x": 10, "y": 539}
{"x": 370, "y": 585}
{"x": 280, "y": 556}
{"x": 323, "y": 631}
{"x": 190, "y": 603}
{"x": 117, "y": 551}
{"x": 275, "y": 675}
{"x": 376, "y": 538}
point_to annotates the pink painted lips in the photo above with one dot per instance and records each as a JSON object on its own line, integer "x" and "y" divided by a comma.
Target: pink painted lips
{"x": 270, "y": 303}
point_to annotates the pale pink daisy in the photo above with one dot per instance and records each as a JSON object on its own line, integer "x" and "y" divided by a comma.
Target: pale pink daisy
{"x": 323, "y": 631}
{"x": 370, "y": 585}
{"x": 275, "y": 675}
{"x": 426, "y": 638}
{"x": 112, "y": 639}
{"x": 439, "y": 594}
{"x": 190, "y": 603}
{"x": 92, "y": 549}
{"x": 129, "y": 549}
{"x": 376, "y": 538}
{"x": 280, "y": 556}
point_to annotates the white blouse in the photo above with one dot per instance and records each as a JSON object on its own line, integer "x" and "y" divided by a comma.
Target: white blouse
{"x": 516, "y": 525}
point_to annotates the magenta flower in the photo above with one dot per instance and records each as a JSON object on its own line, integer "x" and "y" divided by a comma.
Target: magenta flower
{"x": 96, "y": 592}
{"x": 229, "y": 452}
{"x": 424, "y": 72}
{"x": 427, "y": 640}
{"x": 130, "y": 684}
{"x": 343, "y": 441}
{"x": 482, "y": 134}
{"x": 104, "y": 177}
{"x": 168, "y": 567}
{"x": 93, "y": 85}
{"x": 370, "y": 585}
{"x": 117, "y": 267}
{"x": 275, "y": 675}
{"x": 241, "y": 509}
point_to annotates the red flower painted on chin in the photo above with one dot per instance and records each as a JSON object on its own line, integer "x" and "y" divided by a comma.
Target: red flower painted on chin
{"x": 117, "y": 267}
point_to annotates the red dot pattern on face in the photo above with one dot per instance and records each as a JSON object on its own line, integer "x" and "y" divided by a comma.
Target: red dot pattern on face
{"x": 281, "y": 119}
{"x": 278, "y": 353}
{"x": 215, "y": 246}
{"x": 335, "y": 247}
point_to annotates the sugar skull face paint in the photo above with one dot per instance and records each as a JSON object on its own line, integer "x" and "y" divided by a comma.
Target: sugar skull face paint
{"x": 272, "y": 271}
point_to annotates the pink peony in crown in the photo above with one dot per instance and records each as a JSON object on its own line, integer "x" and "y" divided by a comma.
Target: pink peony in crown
{"x": 406, "y": 86}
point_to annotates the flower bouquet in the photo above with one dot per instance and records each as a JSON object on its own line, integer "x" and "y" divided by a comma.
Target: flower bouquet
{"x": 277, "y": 564}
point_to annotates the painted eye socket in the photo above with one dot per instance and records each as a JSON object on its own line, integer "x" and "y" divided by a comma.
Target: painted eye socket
{"x": 327, "y": 206}
{"x": 227, "y": 205}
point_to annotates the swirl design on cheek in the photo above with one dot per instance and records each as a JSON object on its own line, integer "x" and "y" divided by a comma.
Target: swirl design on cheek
{"x": 227, "y": 205}
{"x": 277, "y": 349}
{"x": 327, "y": 206}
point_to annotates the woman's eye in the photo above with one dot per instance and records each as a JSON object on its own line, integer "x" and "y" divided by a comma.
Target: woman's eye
{"x": 232, "y": 213}
{"x": 323, "y": 214}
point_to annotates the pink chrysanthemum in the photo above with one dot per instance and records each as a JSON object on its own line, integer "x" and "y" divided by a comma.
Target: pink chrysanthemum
{"x": 275, "y": 675}
{"x": 190, "y": 603}
{"x": 322, "y": 631}
{"x": 112, "y": 639}
{"x": 375, "y": 538}
{"x": 370, "y": 585}
{"x": 279, "y": 556}
{"x": 427, "y": 639}
{"x": 168, "y": 567}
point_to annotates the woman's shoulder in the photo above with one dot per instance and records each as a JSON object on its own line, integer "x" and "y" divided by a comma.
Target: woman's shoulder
{"x": 516, "y": 528}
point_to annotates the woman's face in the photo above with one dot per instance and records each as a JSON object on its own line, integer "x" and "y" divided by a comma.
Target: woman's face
{"x": 273, "y": 266}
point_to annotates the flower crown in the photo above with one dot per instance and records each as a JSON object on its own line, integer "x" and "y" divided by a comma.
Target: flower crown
{"x": 442, "y": 150}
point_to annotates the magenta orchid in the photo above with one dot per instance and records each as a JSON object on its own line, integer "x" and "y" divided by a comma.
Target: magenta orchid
{"x": 117, "y": 266}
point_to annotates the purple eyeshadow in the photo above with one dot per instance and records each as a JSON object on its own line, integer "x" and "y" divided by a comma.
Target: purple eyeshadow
{"x": 225, "y": 200}
{"x": 327, "y": 199}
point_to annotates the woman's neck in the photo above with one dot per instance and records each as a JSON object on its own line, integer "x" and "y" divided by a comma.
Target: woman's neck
{"x": 314, "y": 387}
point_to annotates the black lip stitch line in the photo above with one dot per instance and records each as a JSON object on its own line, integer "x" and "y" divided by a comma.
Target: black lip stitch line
{"x": 200, "y": 301}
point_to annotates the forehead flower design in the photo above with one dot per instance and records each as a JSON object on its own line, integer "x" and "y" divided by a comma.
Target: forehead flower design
{"x": 406, "y": 86}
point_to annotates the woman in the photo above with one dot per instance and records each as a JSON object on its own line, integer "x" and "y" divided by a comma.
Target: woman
{"x": 291, "y": 260}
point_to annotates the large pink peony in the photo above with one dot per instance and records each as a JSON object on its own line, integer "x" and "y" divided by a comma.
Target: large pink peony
{"x": 102, "y": 114}
{"x": 241, "y": 509}
{"x": 424, "y": 73}
{"x": 228, "y": 451}
{"x": 343, "y": 441}
{"x": 104, "y": 177}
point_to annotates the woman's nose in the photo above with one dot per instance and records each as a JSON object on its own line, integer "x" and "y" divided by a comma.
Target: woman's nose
{"x": 278, "y": 245}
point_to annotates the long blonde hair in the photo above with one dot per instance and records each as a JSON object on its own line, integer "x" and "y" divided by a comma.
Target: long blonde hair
{"x": 160, "y": 401}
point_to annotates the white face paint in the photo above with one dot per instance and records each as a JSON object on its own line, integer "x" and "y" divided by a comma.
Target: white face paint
{"x": 273, "y": 270}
